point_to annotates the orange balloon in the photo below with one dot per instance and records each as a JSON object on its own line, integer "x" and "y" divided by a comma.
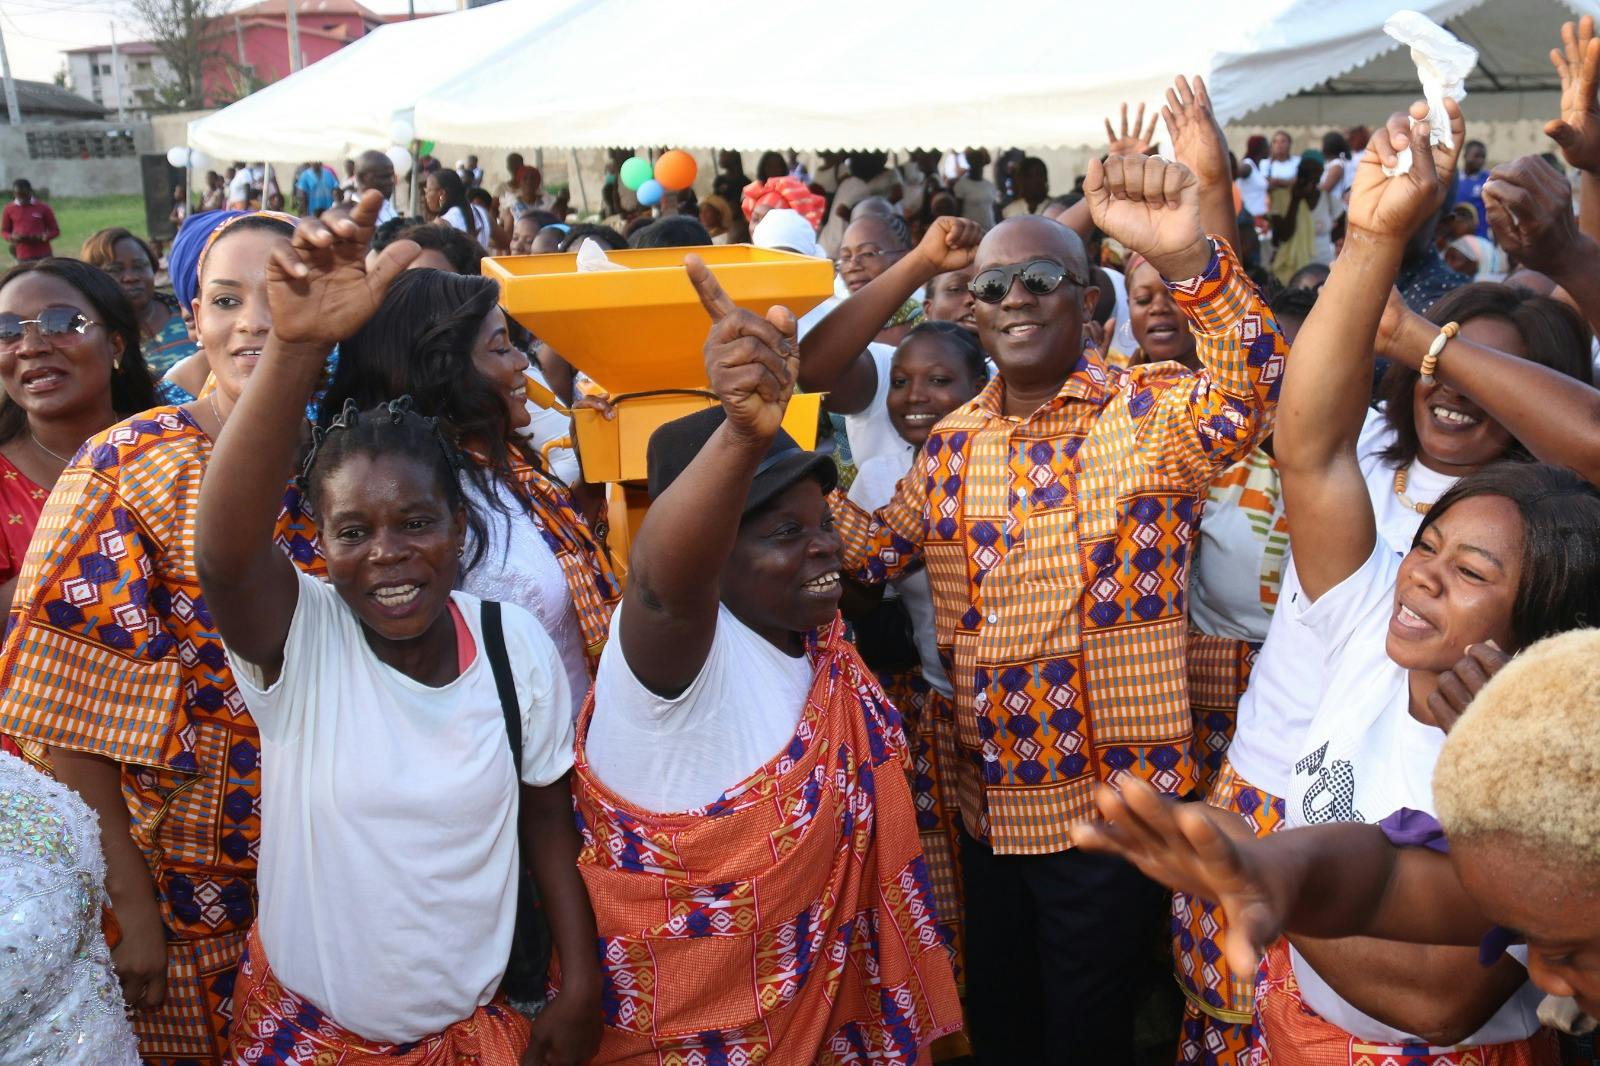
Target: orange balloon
{"x": 676, "y": 169}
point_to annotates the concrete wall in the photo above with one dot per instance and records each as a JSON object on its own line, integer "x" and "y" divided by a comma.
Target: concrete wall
{"x": 108, "y": 176}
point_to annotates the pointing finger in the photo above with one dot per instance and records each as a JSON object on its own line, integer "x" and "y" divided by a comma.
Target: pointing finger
{"x": 718, "y": 303}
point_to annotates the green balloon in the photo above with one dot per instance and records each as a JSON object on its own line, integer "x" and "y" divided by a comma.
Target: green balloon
{"x": 635, "y": 172}
{"x": 425, "y": 147}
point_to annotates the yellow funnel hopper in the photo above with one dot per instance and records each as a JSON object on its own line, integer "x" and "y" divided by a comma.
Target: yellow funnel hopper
{"x": 642, "y": 330}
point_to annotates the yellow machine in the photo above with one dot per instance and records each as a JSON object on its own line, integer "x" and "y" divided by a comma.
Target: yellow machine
{"x": 639, "y": 334}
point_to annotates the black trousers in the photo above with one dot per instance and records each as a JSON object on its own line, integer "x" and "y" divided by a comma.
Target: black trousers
{"x": 1058, "y": 953}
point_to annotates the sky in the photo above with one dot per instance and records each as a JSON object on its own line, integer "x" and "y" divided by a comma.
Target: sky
{"x": 37, "y": 31}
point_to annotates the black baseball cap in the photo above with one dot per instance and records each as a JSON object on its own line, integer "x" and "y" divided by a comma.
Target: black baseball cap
{"x": 674, "y": 445}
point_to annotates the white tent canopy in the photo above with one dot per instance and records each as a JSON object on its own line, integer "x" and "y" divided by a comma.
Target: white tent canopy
{"x": 592, "y": 73}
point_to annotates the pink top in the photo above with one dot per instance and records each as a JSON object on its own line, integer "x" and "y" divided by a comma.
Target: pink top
{"x": 466, "y": 650}
{"x": 20, "y": 503}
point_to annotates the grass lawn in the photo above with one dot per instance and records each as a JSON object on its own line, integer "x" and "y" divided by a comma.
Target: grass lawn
{"x": 80, "y": 216}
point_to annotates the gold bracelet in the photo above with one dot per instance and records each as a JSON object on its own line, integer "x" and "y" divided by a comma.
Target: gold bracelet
{"x": 1430, "y": 362}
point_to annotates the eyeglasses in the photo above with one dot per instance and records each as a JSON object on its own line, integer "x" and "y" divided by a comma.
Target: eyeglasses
{"x": 1040, "y": 277}
{"x": 54, "y": 324}
{"x": 847, "y": 258}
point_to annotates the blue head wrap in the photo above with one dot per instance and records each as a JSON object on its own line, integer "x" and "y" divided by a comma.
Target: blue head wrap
{"x": 183, "y": 258}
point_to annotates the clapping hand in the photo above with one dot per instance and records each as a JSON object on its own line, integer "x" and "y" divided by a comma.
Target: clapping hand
{"x": 1197, "y": 139}
{"x": 1152, "y": 207}
{"x": 1178, "y": 845}
{"x": 1577, "y": 62}
{"x": 1136, "y": 141}
{"x": 751, "y": 361}
{"x": 949, "y": 244}
{"x": 1384, "y": 209}
{"x": 1529, "y": 207}
{"x": 320, "y": 288}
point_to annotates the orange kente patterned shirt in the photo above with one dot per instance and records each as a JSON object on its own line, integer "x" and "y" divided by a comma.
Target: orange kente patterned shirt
{"x": 1058, "y": 547}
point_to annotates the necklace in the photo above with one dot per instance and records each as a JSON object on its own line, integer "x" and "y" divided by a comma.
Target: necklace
{"x": 211, "y": 398}
{"x": 37, "y": 443}
{"x": 1400, "y": 491}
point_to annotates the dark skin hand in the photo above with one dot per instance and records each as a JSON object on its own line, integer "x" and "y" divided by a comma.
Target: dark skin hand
{"x": 1529, "y": 208}
{"x": 1577, "y": 131}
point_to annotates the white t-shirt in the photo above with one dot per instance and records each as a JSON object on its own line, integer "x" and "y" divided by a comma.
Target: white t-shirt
{"x": 458, "y": 221}
{"x": 388, "y": 869}
{"x": 518, "y": 567}
{"x": 870, "y": 431}
{"x": 978, "y": 198}
{"x": 681, "y": 754}
{"x": 1281, "y": 169}
{"x": 1365, "y": 757}
{"x": 1287, "y": 680}
{"x": 874, "y": 487}
{"x": 1252, "y": 187}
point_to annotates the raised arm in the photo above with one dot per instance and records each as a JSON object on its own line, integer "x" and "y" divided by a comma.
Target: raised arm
{"x": 319, "y": 291}
{"x": 1195, "y": 424}
{"x": 670, "y": 607}
{"x": 1577, "y": 131}
{"x": 1325, "y": 881}
{"x": 833, "y": 355}
{"x": 1329, "y": 380}
{"x": 1198, "y": 143}
{"x": 1529, "y": 205}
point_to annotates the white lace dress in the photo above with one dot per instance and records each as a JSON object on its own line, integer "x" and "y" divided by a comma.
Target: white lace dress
{"x": 59, "y": 1000}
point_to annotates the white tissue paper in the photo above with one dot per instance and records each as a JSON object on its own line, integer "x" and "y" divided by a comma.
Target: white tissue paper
{"x": 592, "y": 257}
{"x": 1443, "y": 64}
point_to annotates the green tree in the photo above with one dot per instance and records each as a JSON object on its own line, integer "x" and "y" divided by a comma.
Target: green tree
{"x": 183, "y": 32}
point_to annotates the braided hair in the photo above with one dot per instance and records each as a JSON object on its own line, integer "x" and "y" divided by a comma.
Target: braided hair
{"x": 391, "y": 429}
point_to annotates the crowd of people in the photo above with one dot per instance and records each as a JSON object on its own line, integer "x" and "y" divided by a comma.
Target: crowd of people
{"x": 1207, "y": 558}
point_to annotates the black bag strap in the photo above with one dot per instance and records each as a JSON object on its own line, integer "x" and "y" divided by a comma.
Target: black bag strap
{"x": 494, "y": 646}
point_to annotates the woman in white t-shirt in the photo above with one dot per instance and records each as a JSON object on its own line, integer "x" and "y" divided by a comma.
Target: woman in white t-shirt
{"x": 741, "y": 778}
{"x": 444, "y": 201}
{"x": 442, "y": 339}
{"x": 1479, "y": 571}
{"x": 391, "y": 799}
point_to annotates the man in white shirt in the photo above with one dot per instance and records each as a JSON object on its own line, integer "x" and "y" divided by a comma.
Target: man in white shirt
{"x": 1033, "y": 189}
{"x": 374, "y": 170}
{"x": 978, "y": 196}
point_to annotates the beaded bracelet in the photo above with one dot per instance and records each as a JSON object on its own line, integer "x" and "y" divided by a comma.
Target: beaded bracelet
{"x": 1430, "y": 362}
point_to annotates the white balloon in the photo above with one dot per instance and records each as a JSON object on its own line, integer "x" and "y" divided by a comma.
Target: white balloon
{"x": 178, "y": 155}
{"x": 401, "y": 160}
{"x": 401, "y": 131}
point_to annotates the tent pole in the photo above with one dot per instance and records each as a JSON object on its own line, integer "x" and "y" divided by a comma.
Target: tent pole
{"x": 411, "y": 204}
{"x": 578, "y": 173}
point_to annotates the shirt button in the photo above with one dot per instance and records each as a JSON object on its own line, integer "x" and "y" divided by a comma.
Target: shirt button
{"x": 993, "y": 619}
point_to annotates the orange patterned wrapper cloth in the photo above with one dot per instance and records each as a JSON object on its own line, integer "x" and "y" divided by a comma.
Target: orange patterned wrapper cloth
{"x": 274, "y": 1026}
{"x": 784, "y": 192}
{"x": 790, "y": 922}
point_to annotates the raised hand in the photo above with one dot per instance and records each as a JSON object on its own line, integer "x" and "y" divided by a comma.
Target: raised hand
{"x": 1396, "y": 316}
{"x": 1389, "y": 210}
{"x": 1529, "y": 207}
{"x": 1461, "y": 683}
{"x": 1136, "y": 141}
{"x": 1178, "y": 845}
{"x": 1152, "y": 207}
{"x": 1197, "y": 140}
{"x": 1577, "y": 62}
{"x": 949, "y": 243}
{"x": 751, "y": 361}
{"x": 320, "y": 288}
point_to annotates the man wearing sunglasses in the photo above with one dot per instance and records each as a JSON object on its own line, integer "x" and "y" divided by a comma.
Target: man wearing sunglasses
{"x": 1055, "y": 514}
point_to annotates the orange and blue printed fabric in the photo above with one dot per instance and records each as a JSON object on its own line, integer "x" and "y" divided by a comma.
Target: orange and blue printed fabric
{"x": 790, "y": 922}
{"x": 583, "y": 560}
{"x": 273, "y": 1026}
{"x": 926, "y": 716}
{"x": 1292, "y": 1034}
{"x": 1218, "y": 1026}
{"x": 1058, "y": 548}
{"x": 109, "y": 649}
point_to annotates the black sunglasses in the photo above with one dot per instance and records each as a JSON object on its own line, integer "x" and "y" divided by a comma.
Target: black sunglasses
{"x": 1040, "y": 277}
{"x": 53, "y": 322}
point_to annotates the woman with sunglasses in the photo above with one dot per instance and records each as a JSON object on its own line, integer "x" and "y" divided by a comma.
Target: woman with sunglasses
{"x": 112, "y": 660}
{"x": 70, "y": 365}
{"x": 132, "y": 264}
